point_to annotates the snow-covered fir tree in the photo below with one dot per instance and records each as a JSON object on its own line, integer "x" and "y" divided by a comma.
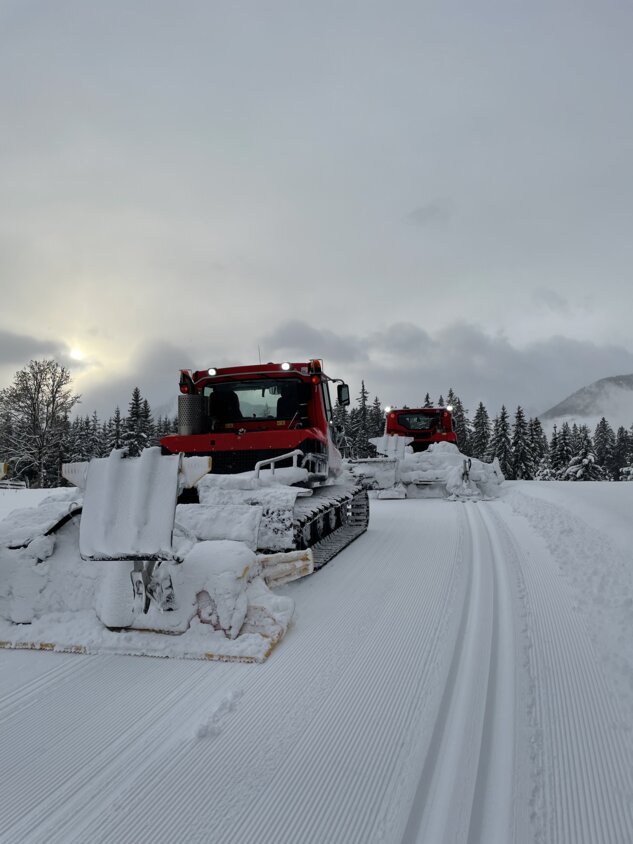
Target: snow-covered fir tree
{"x": 480, "y": 436}
{"x": 115, "y": 426}
{"x": 104, "y": 439}
{"x": 74, "y": 442}
{"x": 544, "y": 471}
{"x": 84, "y": 437}
{"x": 427, "y": 401}
{"x": 500, "y": 445}
{"x": 604, "y": 444}
{"x": 626, "y": 470}
{"x": 95, "y": 439}
{"x": 583, "y": 466}
{"x": 538, "y": 441}
{"x": 621, "y": 452}
{"x": 561, "y": 455}
{"x": 359, "y": 426}
{"x": 147, "y": 424}
{"x": 522, "y": 462}
{"x": 553, "y": 446}
{"x": 462, "y": 426}
{"x": 340, "y": 415}
{"x": 163, "y": 427}
{"x": 134, "y": 436}
{"x": 376, "y": 419}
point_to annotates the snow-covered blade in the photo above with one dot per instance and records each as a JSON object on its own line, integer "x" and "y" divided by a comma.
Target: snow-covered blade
{"x": 120, "y": 573}
{"x": 441, "y": 471}
{"x": 129, "y": 507}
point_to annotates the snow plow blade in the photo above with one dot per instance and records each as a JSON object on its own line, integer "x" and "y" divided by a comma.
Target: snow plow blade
{"x": 113, "y": 572}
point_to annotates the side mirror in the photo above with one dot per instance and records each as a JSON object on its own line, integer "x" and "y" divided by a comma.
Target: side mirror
{"x": 342, "y": 394}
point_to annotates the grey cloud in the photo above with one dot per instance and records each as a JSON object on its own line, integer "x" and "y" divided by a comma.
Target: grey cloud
{"x": 156, "y": 372}
{"x": 298, "y": 338}
{"x": 402, "y": 338}
{"x": 18, "y": 349}
{"x": 551, "y": 300}
{"x": 479, "y": 366}
{"x": 437, "y": 212}
{"x": 399, "y": 365}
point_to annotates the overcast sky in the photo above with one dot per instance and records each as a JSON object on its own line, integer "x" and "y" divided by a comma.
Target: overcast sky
{"x": 424, "y": 194}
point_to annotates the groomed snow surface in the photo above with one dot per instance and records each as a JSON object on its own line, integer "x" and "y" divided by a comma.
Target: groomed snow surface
{"x": 463, "y": 672}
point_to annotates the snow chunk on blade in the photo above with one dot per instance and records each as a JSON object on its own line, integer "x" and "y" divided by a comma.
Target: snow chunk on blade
{"x": 121, "y": 575}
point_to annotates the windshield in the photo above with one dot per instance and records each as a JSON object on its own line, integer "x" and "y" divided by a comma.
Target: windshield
{"x": 418, "y": 421}
{"x": 259, "y": 399}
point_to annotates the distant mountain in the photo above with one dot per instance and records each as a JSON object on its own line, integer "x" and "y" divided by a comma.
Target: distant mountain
{"x": 608, "y": 397}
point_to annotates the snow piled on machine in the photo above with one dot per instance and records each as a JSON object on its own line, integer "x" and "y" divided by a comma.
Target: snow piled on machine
{"x": 441, "y": 471}
{"x": 66, "y": 583}
{"x": 50, "y": 598}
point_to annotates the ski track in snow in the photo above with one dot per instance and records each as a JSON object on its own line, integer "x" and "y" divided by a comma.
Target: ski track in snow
{"x": 472, "y": 752}
{"x": 437, "y": 685}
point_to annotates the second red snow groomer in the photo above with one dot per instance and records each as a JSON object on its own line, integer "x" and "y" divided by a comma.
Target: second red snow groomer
{"x": 427, "y": 425}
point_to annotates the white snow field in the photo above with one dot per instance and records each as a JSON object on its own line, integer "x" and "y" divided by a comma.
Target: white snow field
{"x": 463, "y": 672}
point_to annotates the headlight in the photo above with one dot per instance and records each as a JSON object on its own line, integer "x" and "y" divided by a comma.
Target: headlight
{"x": 285, "y": 366}
{"x": 212, "y": 371}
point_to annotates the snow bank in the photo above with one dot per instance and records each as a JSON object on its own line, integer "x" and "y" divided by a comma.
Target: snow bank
{"x": 12, "y": 499}
{"x": 586, "y": 528}
{"x": 47, "y": 576}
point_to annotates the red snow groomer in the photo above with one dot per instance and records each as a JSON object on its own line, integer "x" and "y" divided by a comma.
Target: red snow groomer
{"x": 427, "y": 425}
{"x": 273, "y": 418}
{"x": 242, "y": 415}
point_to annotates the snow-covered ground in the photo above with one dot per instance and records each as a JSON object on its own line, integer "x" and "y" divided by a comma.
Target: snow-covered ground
{"x": 462, "y": 672}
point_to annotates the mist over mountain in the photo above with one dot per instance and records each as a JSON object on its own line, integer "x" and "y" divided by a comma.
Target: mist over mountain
{"x": 609, "y": 397}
